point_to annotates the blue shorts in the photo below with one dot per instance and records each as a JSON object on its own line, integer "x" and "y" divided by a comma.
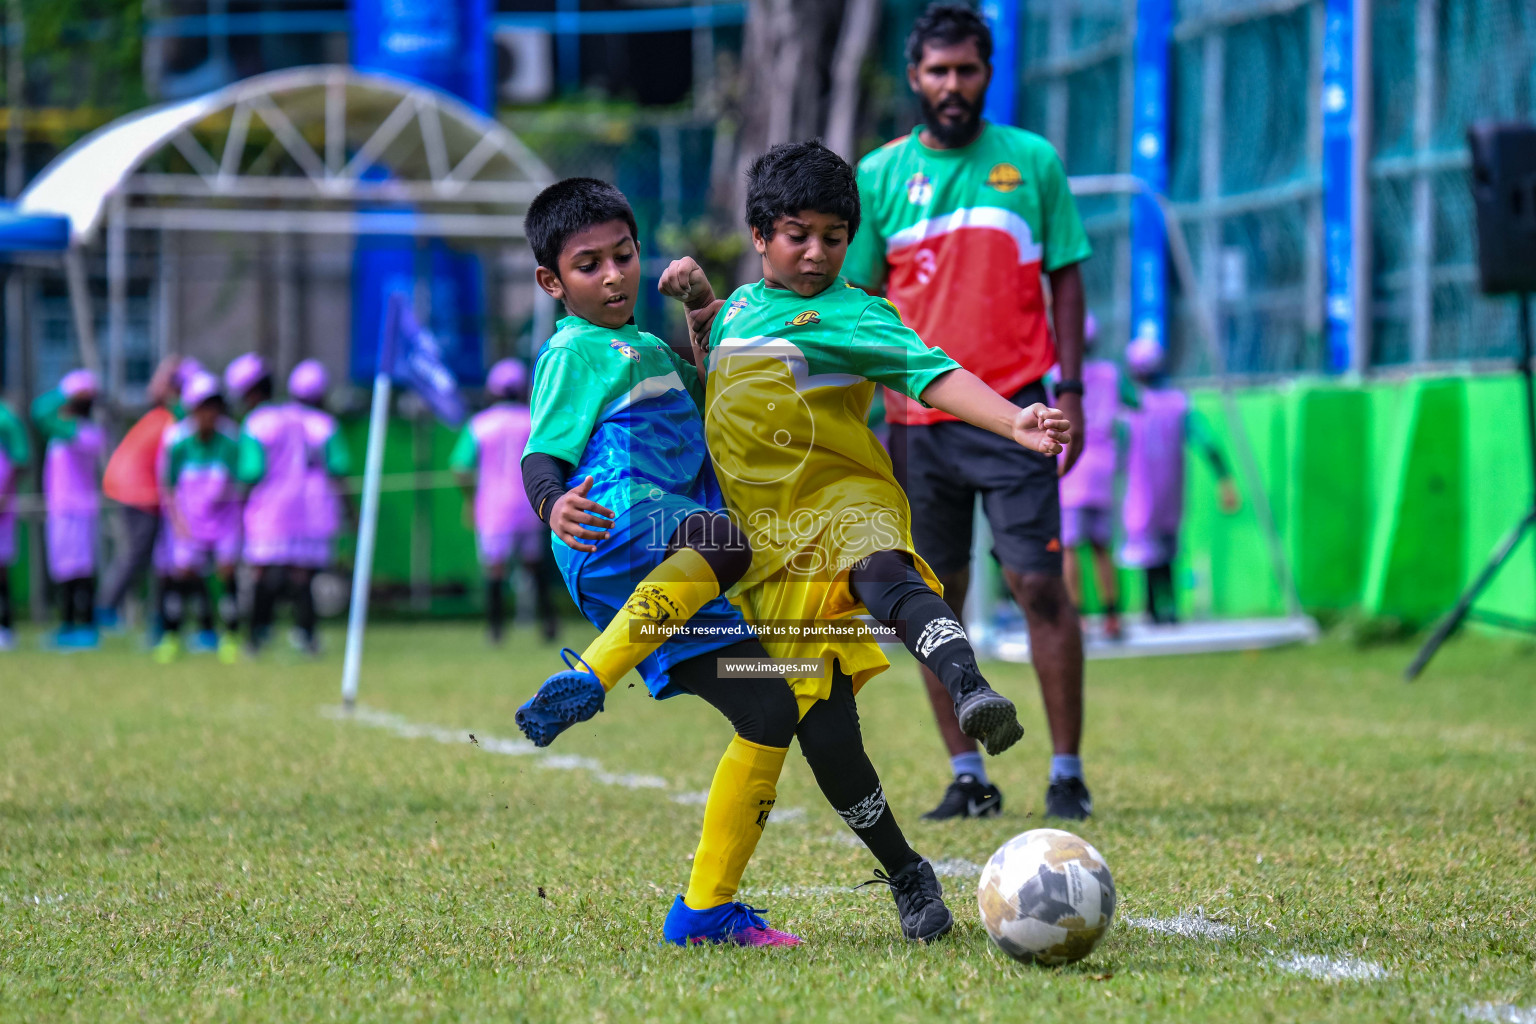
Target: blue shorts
{"x": 601, "y": 582}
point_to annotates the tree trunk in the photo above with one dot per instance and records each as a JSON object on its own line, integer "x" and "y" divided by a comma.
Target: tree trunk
{"x": 859, "y": 22}
{"x": 801, "y": 63}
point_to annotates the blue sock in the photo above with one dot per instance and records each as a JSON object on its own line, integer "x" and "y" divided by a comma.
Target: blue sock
{"x": 1066, "y": 766}
{"x": 969, "y": 764}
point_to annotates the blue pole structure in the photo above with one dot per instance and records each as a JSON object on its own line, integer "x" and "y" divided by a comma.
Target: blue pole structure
{"x": 568, "y": 48}
{"x": 1339, "y": 129}
{"x": 1149, "y": 162}
{"x": 1003, "y": 18}
{"x": 446, "y": 44}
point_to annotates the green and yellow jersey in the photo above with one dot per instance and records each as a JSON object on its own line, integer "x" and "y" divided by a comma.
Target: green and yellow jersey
{"x": 788, "y": 392}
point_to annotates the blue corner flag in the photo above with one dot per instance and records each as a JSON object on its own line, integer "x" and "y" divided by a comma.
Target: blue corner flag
{"x": 418, "y": 364}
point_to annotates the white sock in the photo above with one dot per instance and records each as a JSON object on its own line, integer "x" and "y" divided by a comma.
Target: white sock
{"x": 969, "y": 763}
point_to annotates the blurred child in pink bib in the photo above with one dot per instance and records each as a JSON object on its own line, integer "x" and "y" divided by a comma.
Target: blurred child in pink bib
{"x": 1088, "y": 491}
{"x": 15, "y": 454}
{"x": 1153, "y": 507}
{"x": 330, "y": 461}
{"x": 488, "y": 462}
{"x": 197, "y": 466}
{"x": 72, "y": 492}
{"x": 273, "y": 463}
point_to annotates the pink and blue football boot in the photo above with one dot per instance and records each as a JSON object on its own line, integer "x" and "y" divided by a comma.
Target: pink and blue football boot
{"x": 735, "y": 923}
{"x": 565, "y": 699}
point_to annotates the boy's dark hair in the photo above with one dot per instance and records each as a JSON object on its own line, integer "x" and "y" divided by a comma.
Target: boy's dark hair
{"x": 948, "y": 24}
{"x": 570, "y": 206}
{"x": 795, "y": 176}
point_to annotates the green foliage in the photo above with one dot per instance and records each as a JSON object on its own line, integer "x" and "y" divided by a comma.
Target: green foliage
{"x": 85, "y": 53}
{"x": 203, "y": 842}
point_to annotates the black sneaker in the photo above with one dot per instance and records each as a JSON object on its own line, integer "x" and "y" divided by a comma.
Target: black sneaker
{"x": 1069, "y": 799}
{"x": 919, "y": 901}
{"x": 968, "y": 797}
{"x": 988, "y": 716}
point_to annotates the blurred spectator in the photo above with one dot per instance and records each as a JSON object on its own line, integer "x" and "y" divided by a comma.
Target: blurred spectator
{"x": 488, "y": 462}
{"x": 15, "y": 454}
{"x": 329, "y": 462}
{"x": 72, "y": 495}
{"x": 130, "y": 481}
{"x": 1088, "y": 489}
{"x": 1153, "y": 507}
{"x": 202, "y": 510}
{"x": 274, "y": 463}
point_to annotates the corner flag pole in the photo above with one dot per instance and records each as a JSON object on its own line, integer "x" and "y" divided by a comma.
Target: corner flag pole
{"x": 367, "y": 532}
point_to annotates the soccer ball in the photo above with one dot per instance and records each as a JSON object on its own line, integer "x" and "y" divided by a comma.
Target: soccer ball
{"x": 1046, "y": 897}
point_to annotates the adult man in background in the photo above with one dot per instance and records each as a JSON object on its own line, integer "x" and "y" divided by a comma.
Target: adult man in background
{"x": 962, "y": 218}
{"x": 131, "y": 480}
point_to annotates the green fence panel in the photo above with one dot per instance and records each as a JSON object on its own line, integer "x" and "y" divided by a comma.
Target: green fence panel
{"x": 1329, "y": 430}
{"x": 1417, "y": 551}
{"x": 1226, "y": 569}
{"x": 1498, "y": 492}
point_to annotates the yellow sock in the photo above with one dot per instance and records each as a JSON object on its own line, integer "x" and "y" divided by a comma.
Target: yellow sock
{"x": 673, "y": 592}
{"x": 740, "y": 798}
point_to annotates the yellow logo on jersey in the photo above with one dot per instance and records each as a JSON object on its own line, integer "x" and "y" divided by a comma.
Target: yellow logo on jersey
{"x": 810, "y": 316}
{"x": 624, "y": 349}
{"x": 1005, "y": 177}
{"x": 919, "y": 189}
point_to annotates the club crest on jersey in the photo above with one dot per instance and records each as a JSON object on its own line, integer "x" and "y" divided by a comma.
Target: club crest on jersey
{"x": 1004, "y": 177}
{"x": 919, "y": 189}
{"x": 810, "y": 316}
{"x": 625, "y": 349}
{"x": 735, "y": 307}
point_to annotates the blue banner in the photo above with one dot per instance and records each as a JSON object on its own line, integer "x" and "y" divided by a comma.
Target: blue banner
{"x": 445, "y": 44}
{"x": 1003, "y": 18}
{"x": 1338, "y": 163}
{"x": 415, "y": 360}
{"x": 1149, "y": 162}
{"x": 383, "y": 266}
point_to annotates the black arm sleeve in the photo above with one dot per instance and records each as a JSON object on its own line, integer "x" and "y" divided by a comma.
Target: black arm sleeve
{"x": 544, "y": 478}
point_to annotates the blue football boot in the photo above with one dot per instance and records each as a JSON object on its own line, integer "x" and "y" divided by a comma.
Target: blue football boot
{"x": 566, "y": 698}
{"x": 735, "y": 923}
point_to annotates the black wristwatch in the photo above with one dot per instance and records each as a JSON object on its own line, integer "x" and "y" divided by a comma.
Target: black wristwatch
{"x": 1068, "y": 387}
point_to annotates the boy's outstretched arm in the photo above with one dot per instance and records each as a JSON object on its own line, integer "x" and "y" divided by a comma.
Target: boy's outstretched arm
{"x": 962, "y": 394}
{"x": 685, "y": 281}
{"x": 1203, "y": 437}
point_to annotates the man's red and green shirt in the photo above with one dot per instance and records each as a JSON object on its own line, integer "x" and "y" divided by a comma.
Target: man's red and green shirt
{"x": 960, "y": 238}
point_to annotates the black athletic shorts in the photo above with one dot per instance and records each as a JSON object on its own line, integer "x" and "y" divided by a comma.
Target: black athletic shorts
{"x": 942, "y": 466}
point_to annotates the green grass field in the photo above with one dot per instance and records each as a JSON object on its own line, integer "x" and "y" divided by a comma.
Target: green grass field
{"x": 201, "y": 842}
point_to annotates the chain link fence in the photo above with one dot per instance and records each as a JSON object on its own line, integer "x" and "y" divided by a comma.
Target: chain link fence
{"x": 1439, "y": 66}
{"x": 1245, "y": 167}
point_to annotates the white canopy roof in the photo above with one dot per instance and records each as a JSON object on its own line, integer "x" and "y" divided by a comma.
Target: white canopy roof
{"x": 302, "y": 136}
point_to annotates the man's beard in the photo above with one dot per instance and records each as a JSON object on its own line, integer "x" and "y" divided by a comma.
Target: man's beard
{"x": 955, "y": 133}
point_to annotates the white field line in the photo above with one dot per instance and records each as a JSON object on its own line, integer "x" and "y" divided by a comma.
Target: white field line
{"x": 1332, "y": 968}
{"x": 1188, "y": 926}
{"x": 798, "y": 891}
{"x": 36, "y": 900}
{"x": 407, "y": 729}
{"x": 1500, "y": 1013}
{"x": 700, "y": 797}
{"x": 956, "y": 867}
{"x": 493, "y": 744}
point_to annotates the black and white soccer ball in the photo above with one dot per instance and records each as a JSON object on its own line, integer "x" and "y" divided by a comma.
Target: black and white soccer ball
{"x": 1046, "y": 897}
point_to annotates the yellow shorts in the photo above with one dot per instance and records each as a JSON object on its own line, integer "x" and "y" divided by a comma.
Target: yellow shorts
{"x": 826, "y": 615}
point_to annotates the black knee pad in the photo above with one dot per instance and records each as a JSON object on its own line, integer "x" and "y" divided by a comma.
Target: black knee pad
{"x": 719, "y": 541}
